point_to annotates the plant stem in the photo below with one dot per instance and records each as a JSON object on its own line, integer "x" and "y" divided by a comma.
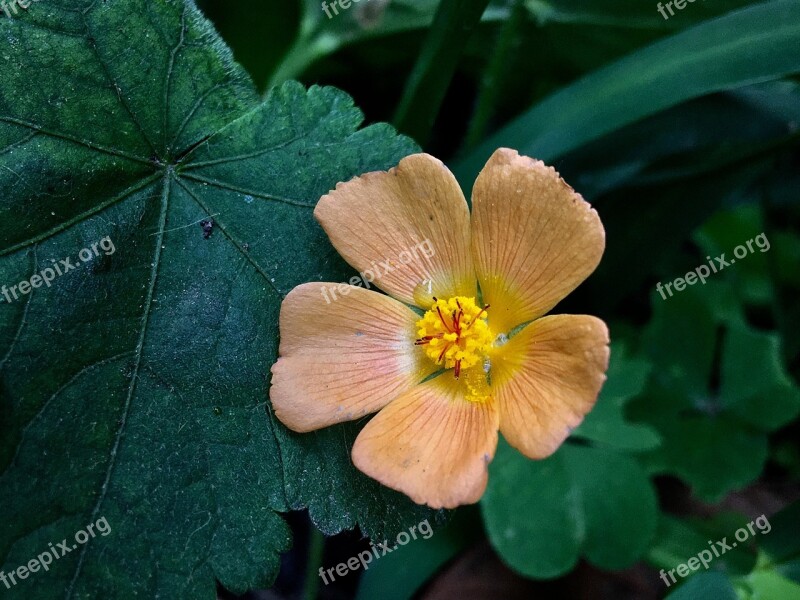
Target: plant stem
{"x": 316, "y": 546}
{"x": 452, "y": 26}
{"x": 496, "y": 72}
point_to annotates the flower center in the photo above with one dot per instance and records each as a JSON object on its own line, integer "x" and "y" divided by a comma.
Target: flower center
{"x": 455, "y": 333}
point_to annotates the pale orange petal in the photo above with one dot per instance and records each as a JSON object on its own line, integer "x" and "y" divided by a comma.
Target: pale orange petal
{"x": 403, "y": 227}
{"x": 546, "y": 378}
{"x": 534, "y": 238}
{"x": 343, "y": 359}
{"x": 431, "y": 444}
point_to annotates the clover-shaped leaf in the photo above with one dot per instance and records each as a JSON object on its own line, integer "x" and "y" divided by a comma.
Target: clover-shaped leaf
{"x": 542, "y": 516}
{"x": 607, "y": 423}
{"x": 719, "y": 387}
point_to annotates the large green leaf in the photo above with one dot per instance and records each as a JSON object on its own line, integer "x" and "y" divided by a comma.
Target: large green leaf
{"x": 134, "y": 388}
{"x": 770, "y": 585}
{"x": 747, "y": 46}
{"x": 542, "y": 516}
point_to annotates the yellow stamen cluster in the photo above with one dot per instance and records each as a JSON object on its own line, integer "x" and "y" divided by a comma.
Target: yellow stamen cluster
{"x": 454, "y": 333}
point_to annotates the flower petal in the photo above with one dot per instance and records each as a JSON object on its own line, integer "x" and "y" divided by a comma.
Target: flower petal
{"x": 431, "y": 444}
{"x": 406, "y": 226}
{"x": 546, "y": 378}
{"x": 343, "y": 359}
{"x": 534, "y": 238}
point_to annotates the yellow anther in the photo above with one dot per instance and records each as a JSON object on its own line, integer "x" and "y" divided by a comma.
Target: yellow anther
{"x": 455, "y": 334}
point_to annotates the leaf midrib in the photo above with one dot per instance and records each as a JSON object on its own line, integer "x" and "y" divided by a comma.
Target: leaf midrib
{"x": 134, "y": 374}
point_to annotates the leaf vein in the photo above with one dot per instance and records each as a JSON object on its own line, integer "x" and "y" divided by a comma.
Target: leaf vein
{"x": 227, "y": 186}
{"x": 254, "y": 154}
{"x": 92, "y": 44}
{"x": 75, "y": 140}
{"x": 233, "y": 240}
{"x": 57, "y": 393}
{"x": 24, "y": 318}
{"x": 148, "y": 303}
{"x": 170, "y": 69}
{"x": 84, "y": 215}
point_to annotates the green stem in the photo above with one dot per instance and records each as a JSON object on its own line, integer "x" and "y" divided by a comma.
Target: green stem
{"x": 452, "y": 26}
{"x": 316, "y": 546}
{"x": 497, "y": 71}
{"x": 312, "y": 43}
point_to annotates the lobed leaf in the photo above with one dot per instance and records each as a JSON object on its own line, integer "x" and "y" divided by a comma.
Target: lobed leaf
{"x": 134, "y": 388}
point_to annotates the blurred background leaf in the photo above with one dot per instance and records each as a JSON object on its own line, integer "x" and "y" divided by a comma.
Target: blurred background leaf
{"x": 542, "y": 516}
{"x": 743, "y": 47}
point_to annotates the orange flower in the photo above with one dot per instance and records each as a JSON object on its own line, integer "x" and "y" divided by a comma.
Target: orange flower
{"x": 480, "y": 358}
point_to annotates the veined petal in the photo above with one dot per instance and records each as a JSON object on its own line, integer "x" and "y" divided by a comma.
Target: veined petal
{"x": 342, "y": 359}
{"x": 431, "y": 444}
{"x": 534, "y": 238}
{"x": 408, "y": 228}
{"x": 546, "y": 378}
